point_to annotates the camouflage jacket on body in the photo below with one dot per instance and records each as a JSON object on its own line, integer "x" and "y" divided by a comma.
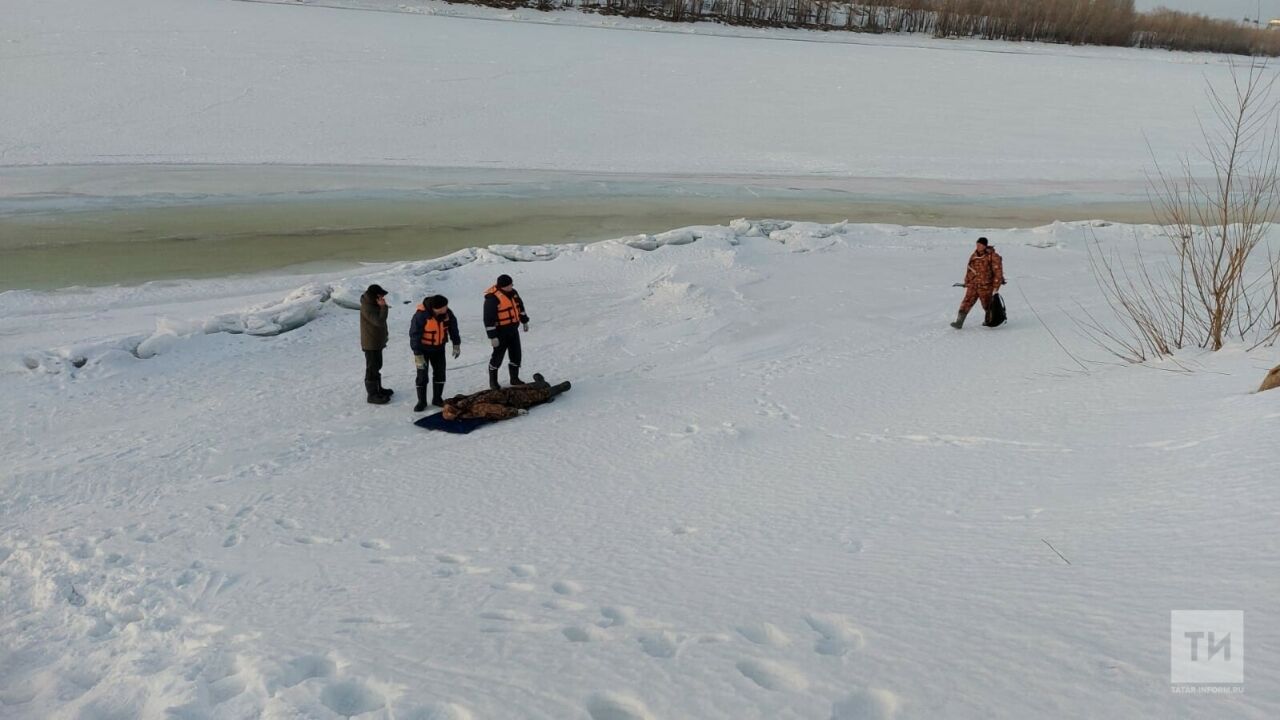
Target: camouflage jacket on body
{"x": 499, "y": 404}
{"x": 986, "y": 270}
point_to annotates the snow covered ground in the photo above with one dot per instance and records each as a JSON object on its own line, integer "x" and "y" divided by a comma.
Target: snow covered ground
{"x": 156, "y": 81}
{"x": 781, "y": 487}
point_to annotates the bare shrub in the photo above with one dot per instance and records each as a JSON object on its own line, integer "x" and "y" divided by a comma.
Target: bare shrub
{"x": 1223, "y": 281}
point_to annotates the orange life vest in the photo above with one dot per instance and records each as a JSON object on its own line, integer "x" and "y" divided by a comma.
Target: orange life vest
{"x": 508, "y": 311}
{"x": 435, "y": 330}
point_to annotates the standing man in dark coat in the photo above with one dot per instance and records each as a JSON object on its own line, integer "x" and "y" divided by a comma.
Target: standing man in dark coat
{"x": 982, "y": 279}
{"x": 431, "y": 326}
{"x": 373, "y": 339}
{"x": 504, "y": 316}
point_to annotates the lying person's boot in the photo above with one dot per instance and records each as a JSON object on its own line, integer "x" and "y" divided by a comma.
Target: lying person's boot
{"x": 515, "y": 375}
{"x": 537, "y": 377}
{"x": 959, "y": 323}
{"x": 375, "y": 397}
{"x": 493, "y": 379}
{"x": 437, "y": 394}
{"x": 562, "y": 387}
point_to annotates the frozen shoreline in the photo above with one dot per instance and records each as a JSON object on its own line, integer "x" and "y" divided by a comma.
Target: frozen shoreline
{"x": 94, "y": 225}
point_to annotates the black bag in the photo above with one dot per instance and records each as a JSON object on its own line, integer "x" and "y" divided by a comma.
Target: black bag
{"x": 995, "y": 312}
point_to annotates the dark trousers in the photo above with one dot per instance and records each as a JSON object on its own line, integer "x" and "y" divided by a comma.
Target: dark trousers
{"x": 435, "y": 366}
{"x": 508, "y": 345}
{"x": 372, "y": 370}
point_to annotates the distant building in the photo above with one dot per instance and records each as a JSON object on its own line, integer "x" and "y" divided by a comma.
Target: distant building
{"x": 1273, "y": 24}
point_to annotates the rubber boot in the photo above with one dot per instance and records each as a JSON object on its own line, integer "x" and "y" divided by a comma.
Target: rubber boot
{"x": 422, "y": 398}
{"x": 562, "y": 387}
{"x": 386, "y": 392}
{"x": 375, "y": 397}
{"x": 959, "y": 323}
{"x": 493, "y": 378}
{"x": 515, "y": 375}
{"x": 437, "y": 394}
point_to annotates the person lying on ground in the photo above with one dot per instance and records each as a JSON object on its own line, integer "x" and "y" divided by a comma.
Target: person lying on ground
{"x": 503, "y": 403}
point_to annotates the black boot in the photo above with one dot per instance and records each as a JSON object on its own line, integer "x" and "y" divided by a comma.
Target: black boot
{"x": 375, "y": 397}
{"x": 388, "y": 392}
{"x": 420, "y": 385}
{"x": 515, "y": 375}
{"x": 562, "y": 387}
{"x": 437, "y": 394}
{"x": 959, "y": 323}
{"x": 493, "y": 378}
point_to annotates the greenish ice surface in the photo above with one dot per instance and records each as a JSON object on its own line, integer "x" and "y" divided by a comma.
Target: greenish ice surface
{"x": 88, "y": 226}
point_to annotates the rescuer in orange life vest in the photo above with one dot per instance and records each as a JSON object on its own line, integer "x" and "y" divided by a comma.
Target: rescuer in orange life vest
{"x": 432, "y": 324}
{"x": 503, "y": 317}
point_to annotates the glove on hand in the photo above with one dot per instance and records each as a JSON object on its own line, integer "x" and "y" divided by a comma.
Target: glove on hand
{"x": 493, "y": 342}
{"x": 457, "y": 350}
{"x": 419, "y": 362}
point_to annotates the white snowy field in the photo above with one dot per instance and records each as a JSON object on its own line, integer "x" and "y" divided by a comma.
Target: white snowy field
{"x": 781, "y": 487}
{"x": 215, "y": 81}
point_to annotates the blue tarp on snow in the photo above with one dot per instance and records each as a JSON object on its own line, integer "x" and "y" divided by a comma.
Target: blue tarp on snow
{"x": 459, "y": 427}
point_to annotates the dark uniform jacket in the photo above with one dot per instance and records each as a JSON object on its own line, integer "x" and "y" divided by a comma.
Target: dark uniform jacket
{"x": 419, "y": 321}
{"x": 491, "y": 310}
{"x": 373, "y": 323}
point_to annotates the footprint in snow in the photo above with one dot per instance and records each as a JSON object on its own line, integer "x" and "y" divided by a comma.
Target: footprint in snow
{"x": 867, "y": 704}
{"x": 523, "y": 571}
{"x": 661, "y": 644}
{"x": 375, "y": 544}
{"x": 288, "y": 523}
{"x": 349, "y": 698}
{"x": 764, "y": 633}
{"x": 839, "y": 636}
{"x": 617, "y": 616}
{"x": 615, "y": 706}
{"x": 584, "y": 633}
{"x": 505, "y": 615}
{"x": 773, "y": 676}
{"x": 303, "y": 668}
{"x": 566, "y": 587}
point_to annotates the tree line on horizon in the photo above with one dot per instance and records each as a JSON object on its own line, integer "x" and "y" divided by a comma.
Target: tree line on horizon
{"x": 1074, "y": 22}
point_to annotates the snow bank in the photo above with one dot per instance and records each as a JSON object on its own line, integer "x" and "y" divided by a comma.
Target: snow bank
{"x": 403, "y": 283}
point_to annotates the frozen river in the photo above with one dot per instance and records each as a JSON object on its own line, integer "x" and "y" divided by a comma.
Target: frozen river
{"x": 96, "y": 225}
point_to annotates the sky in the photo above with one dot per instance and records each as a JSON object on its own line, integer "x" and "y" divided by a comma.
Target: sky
{"x": 1217, "y": 8}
